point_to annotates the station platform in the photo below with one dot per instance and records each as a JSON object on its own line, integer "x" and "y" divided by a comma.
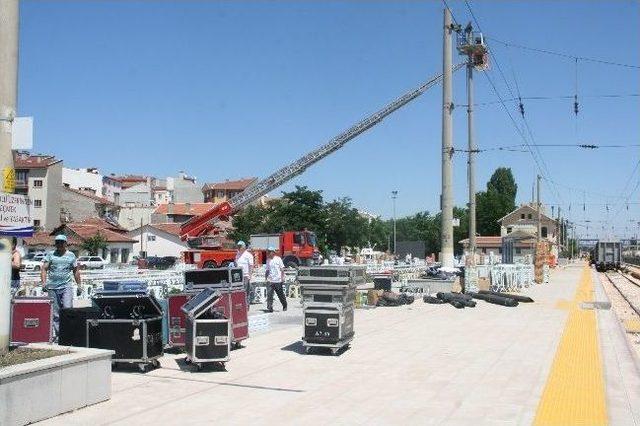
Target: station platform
{"x": 552, "y": 362}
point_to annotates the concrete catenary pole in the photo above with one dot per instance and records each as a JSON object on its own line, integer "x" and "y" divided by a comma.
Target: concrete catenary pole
{"x": 394, "y": 195}
{"x": 446, "y": 201}
{"x": 8, "y": 94}
{"x": 559, "y": 233}
{"x": 471, "y": 168}
{"x": 539, "y": 210}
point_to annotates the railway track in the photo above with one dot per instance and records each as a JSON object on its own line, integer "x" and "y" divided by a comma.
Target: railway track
{"x": 629, "y": 290}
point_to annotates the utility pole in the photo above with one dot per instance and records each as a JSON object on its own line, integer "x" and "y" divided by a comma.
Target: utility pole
{"x": 559, "y": 234}
{"x": 446, "y": 200}
{"x": 539, "y": 234}
{"x": 394, "y": 195}
{"x": 8, "y": 94}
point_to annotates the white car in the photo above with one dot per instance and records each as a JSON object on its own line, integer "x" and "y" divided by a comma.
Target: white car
{"x": 91, "y": 262}
{"x": 32, "y": 262}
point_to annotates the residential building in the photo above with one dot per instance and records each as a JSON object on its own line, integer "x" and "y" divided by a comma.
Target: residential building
{"x": 77, "y": 205}
{"x": 178, "y": 212}
{"x": 525, "y": 219}
{"x": 112, "y": 185}
{"x": 40, "y": 177}
{"x": 158, "y": 239}
{"x": 221, "y": 191}
{"x": 85, "y": 180}
{"x": 184, "y": 189}
{"x": 119, "y": 247}
{"x": 160, "y": 194}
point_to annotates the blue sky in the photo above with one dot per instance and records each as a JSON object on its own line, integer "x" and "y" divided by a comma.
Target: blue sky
{"x": 233, "y": 89}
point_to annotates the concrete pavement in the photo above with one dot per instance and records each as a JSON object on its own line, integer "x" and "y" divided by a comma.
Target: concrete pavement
{"x": 416, "y": 364}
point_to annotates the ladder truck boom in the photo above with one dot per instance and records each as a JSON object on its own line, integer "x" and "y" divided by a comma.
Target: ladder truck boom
{"x": 199, "y": 225}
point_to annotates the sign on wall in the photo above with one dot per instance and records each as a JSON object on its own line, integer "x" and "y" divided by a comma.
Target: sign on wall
{"x": 15, "y": 215}
{"x": 9, "y": 179}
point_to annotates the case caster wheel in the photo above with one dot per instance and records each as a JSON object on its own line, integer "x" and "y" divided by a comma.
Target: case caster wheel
{"x": 334, "y": 351}
{"x": 155, "y": 363}
{"x": 142, "y": 367}
{"x": 198, "y": 367}
{"x": 307, "y": 350}
{"x": 187, "y": 360}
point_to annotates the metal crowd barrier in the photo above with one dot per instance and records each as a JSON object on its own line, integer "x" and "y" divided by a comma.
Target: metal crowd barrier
{"x": 511, "y": 277}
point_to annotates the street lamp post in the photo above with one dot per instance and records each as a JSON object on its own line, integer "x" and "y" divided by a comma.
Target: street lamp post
{"x": 394, "y": 195}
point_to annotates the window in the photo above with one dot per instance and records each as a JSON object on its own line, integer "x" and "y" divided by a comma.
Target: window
{"x": 484, "y": 250}
{"x": 522, "y": 216}
{"x": 518, "y": 251}
{"x": 297, "y": 238}
{"x": 21, "y": 176}
{"x": 37, "y": 183}
{"x": 220, "y": 194}
{"x": 509, "y": 229}
{"x": 543, "y": 232}
{"x": 499, "y": 250}
{"x": 151, "y": 237}
{"x": 124, "y": 255}
{"x": 529, "y": 216}
{"x": 36, "y": 223}
{"x": 37, "y": 204}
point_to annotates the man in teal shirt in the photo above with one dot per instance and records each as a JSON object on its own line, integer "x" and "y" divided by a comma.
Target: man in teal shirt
{"x": 58, "y": 272}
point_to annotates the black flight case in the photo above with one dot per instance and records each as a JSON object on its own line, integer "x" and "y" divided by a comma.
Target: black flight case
{"x": 208, "y": 332}
{"x": 130, "y": 324}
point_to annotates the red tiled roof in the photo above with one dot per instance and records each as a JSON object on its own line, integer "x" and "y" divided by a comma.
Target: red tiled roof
{"x": 169, "y": 228}
{"x": 23, "y": 160}
{"x": 43, "y": 238}
{"x": 184, "y": 209}
{"x": 86, "y": 231}
{"x": 231, "y": 185}
{"x": 89, "y": 194}
{"x": 102, "y": 223}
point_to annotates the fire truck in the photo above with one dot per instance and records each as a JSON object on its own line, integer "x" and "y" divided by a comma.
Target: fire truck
{"x": 296, "y": 248}
{"x": 198, "y": 230}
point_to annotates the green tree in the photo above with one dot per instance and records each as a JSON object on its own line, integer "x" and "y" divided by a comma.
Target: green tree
{"x": 345, "y": 226}
{"x": 94, "y": 244}
{"x": 250, "y": 220}
{"x": 498, "y": 200}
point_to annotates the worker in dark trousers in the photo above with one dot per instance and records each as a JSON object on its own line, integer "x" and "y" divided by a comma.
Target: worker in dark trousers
{"x": 275, "y": 279}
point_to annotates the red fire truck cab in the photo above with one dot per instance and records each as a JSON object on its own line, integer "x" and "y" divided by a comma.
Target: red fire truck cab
{"x": 296, "y": 248}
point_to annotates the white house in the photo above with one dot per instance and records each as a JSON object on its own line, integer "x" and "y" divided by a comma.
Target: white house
{"x": 83, "y": 179}
{"x": 158, "y": 239}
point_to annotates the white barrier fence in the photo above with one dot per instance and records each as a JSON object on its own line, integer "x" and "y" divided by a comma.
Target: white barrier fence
{"x": 510, "y": 278}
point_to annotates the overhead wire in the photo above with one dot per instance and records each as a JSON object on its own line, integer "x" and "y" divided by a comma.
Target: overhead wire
{"x": 565, "y": 55}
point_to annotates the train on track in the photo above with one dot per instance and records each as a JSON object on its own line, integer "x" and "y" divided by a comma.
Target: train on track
{"x": 607, "y": 255}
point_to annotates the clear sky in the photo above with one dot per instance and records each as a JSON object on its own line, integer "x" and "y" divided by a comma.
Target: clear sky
{"x": 233, "y": 89}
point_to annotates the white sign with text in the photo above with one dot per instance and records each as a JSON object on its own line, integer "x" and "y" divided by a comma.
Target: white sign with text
{"x": 15, "y": 215}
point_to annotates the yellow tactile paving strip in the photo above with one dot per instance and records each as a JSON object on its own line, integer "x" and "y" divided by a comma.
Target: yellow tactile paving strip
{"x": 575, "y": 393}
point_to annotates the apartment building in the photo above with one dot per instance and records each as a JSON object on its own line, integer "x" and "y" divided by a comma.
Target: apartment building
{"x": 217, "y": 192}
{"x": 40, "y": 177}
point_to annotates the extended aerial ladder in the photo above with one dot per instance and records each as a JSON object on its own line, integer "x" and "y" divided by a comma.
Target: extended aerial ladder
{"x": 201, "y": 225}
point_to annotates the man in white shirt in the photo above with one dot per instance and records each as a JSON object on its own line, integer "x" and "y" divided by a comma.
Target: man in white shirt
{"x": 244, "y": 260}
{"x": 275, "y": 279}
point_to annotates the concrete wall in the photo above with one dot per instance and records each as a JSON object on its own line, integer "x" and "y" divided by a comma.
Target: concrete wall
{"x": 133, "y": 217}
{"x": 48, "y": 195}
{"x": 156, "y": 242}
{"x": 137, "y": 195}
{"x": 185, "y": 190}
{"x": 82, "y": 179}
{"x": 54, "y": 195}
{"x": 76, "y": 207}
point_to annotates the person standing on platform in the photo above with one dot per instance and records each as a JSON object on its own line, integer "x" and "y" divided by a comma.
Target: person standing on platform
{"x": 275, "y": 279}
{"x": 16, "y": 263}
{"x": 244, "y": 260}
{"x": 57, "y": 275}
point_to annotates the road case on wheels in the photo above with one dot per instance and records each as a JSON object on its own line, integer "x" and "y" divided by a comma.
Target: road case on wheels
{"x": 327, "y": 326}
{"x": 73, "y": 325}
{"x": 232, "y": 302}
{"x": 131, "y": 325}
{"x": 208, "y": 332}
{"x": 328, "y": 299}
{"x": 31, "y": 320}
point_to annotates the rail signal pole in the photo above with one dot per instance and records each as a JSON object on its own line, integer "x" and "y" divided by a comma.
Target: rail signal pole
{"x": 394, "y": 195}
{"x": 539, "y": 209}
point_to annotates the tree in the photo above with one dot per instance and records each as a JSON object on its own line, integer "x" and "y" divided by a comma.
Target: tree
{"x": 497, "y": 201}
{"x": 248, "y": 221}
{"x": 94, "y": 244}
{"x": 345, "y": 226}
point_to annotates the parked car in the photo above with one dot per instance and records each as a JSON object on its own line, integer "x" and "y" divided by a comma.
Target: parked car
{"x": 157, "y": 262}
{"x": 91, "y": 262}
{"x": 33, "y": 262}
